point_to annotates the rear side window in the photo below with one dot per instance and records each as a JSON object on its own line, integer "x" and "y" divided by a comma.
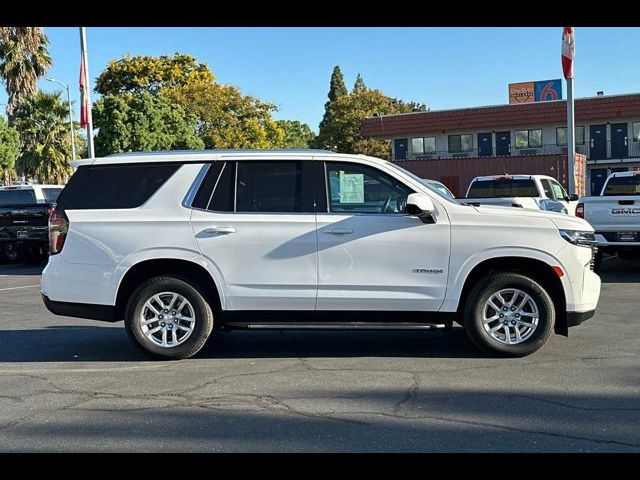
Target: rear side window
{"x": 17, "y": 197}
{"x": 51, "y": 194}
{"x": 503, "y": 188}
{"x": 114, "y": 186}
{"x": 629, "y": 185}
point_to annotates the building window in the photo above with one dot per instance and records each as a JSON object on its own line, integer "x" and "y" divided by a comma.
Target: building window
{"x": 529, "y": 138}
{"x": 636, "y": 131}
{"x": 561, "y": 136}
{"x": 460, "y": 143}
{"x": 423, "y": 145}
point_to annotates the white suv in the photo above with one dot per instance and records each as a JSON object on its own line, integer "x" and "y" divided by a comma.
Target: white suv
{"x": 180, "y": 243}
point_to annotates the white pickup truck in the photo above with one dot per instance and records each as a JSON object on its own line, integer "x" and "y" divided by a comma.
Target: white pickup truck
{"x": 615, "y": 215}
{"x": 539, "y": 192}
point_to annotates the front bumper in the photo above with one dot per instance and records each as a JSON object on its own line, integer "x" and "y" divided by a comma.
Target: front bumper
{"x": 576, "y": 318}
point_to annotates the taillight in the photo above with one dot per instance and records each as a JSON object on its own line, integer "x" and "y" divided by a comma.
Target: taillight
{"x": 580, "y": 210}
{"x": 58, "y": 227}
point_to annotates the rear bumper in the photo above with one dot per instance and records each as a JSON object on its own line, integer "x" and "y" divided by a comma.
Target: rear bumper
{"x": 90, "y": 311}
{"x": 576, "y": 318}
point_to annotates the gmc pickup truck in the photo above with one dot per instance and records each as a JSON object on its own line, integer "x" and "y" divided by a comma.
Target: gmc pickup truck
{"x": 615, "y": 215}
{"x": 539, "y": 192}
{"x": 24, "y": 217}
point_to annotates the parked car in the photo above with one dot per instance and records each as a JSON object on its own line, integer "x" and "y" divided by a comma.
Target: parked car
{"x": 615, "y": 215}
{"x": 439, "y": 186}
{"x": 539, "y": 192}
{"x": 180, "y": 243}
{"x": 24, "y": 215}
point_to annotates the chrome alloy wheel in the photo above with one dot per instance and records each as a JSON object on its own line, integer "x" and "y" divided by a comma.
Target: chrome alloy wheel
{"x": 510, "y": 316}
{"x": 167, "y": 319}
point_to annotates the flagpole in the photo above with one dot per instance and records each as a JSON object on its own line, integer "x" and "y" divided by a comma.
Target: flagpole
{"x": 83, "y": 49}
{"x": 571, "y": 140}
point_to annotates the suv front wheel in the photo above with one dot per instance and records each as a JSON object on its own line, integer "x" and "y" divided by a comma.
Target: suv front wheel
{"x": 509, "y": 314}
{"x": 169, "y": 317}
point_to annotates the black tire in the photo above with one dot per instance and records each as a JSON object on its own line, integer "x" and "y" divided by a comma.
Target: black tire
{"x": 473, "y": 313}
{"x": 10, "y": 253}
{"x": 202, "y": 312}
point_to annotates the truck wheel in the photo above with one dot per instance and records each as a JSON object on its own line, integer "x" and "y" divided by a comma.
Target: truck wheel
{"x": 509, "y": 315}
{"x": 10, "y": 252}
{"x": 169, "y": 318}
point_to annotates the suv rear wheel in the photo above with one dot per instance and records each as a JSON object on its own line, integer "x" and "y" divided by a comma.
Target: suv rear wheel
{"x": 509, "y": 314}
{"x": 168, "y": 317}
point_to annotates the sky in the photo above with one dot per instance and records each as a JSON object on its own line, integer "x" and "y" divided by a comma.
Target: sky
{"x": 291, "y": 67}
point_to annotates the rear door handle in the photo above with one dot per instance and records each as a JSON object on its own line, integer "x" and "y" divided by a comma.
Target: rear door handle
{"x": 338, "y": 231}
{"x": 224, "y": 230}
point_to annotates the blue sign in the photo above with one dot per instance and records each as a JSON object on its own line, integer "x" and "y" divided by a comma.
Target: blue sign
{"x": 547, "y": 90}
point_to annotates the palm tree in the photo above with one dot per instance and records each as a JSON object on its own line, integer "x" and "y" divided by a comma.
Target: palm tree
{"x": 23, "y": 59}
{"x": 44, "y": 137}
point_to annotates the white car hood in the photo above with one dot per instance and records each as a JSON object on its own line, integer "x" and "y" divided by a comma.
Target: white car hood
{"x": 561, "y": 220}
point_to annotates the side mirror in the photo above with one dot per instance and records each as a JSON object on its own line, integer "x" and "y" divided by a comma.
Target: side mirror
{"x": 421, "y": 206}
{"x": 572, "y": 197}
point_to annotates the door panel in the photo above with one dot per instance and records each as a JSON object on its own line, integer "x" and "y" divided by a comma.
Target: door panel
{"x": 598, "y": 177}
{"x": 267, "y": 260}
{"x": 378, "y": 261}
{"x": 503, "y": 143}
{"x": 400, "y": 148}
{"x": 619, "y": 140}
{"x": 485, "y": 148}
{"x": 598, "y": 142}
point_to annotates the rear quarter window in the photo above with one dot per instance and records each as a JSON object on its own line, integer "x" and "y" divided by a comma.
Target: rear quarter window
{"x": 114, "y": 186}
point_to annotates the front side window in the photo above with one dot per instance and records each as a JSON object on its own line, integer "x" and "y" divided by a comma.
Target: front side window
{"x": 423, "y": 145}
{"x": 559, "y": 193}
{"x": 529, "y": 138}
{"x": 561, "y": 136}
{"x": 51, "y": 194}
{"x": 460, "y": 143}
{"x": 353, "y": 188}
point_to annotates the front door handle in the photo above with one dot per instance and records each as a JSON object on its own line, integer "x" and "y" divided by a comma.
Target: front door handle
{"x": 338, "y": 231}
{"x": 223, "y": 230}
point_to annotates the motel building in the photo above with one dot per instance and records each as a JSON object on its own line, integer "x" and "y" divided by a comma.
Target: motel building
{"x": 454, "y": 146}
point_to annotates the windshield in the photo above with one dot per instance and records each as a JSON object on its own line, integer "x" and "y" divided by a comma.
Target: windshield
{"x": 17, "y": 197}
{"x": 423, "y": 182}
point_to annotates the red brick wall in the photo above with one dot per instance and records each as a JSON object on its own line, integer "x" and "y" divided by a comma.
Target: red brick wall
{"x": 457, "y": 173}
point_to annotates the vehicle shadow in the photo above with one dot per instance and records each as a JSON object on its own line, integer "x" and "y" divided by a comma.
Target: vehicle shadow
{"x": 7, "y": 269}
{"x": 616, "y": 270}
{"x": 111, "y": 344}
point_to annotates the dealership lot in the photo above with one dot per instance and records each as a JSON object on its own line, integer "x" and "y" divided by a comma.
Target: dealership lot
{"x": 79, "y": 385}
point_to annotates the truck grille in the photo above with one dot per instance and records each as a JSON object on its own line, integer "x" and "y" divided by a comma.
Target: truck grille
{"x": 592, "y": 264}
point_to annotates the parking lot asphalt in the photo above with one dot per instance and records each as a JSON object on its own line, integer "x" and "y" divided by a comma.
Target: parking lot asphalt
{"x": 79, "y": 385}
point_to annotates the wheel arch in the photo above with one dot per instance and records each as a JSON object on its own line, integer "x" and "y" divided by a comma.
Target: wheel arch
{"x": 146, "y": 269}
{"x": 539, "y": 270}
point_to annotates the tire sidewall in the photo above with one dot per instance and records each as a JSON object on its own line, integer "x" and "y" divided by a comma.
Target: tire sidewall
{"x": 474, "y": 312}
{"x": 202, "y": 311}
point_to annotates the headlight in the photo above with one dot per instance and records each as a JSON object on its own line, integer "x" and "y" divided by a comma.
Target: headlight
{"x": 579, "y": 237}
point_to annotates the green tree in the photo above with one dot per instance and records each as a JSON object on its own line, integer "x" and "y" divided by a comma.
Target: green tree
{"x": 349, "y": 111}
{"x": 146, "y": 73}
{"x": 359, "y": 85}
{"x": 337, "y": 89}
{"x": 297, "y": 134}
{"x": 23, "y": 59}
{"x": 142, "y": 122}
{"x": 226, "y": 117}
{"x": 9, "y": 151}
{"x": 42, "y": 122}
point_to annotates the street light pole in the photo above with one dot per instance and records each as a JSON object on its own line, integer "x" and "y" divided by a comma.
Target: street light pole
{"x": 73, "y": 136}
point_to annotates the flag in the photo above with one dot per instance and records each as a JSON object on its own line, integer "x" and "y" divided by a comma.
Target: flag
{"x": 84, "y": 103}
{"x": 568, "y": 52}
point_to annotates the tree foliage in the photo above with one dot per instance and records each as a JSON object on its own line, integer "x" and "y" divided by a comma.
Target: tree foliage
{"x": 151, "y": 74}
{"x": 359, "y": 85}
{"x": 297, "y": 134}
{"x": 226, "y": 117}
{"x": 42, "y": 122}
{"x": 24, "y": 58}
{"x": 337, "y": 89}
{"x": 142, "y": 122}
{"x": 9, "y": 151}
